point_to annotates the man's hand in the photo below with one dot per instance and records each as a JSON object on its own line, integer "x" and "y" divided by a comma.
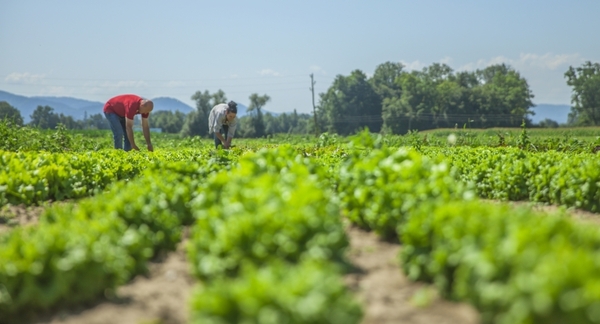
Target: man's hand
{"x": 150, "y": 148}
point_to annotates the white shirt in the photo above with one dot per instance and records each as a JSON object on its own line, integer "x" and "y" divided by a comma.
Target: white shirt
{"x": 218, "y": 118}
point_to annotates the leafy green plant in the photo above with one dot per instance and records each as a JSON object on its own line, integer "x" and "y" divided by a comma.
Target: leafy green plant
{"x": 308, "y": 292}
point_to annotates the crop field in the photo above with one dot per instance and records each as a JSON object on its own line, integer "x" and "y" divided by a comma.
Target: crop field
{"x": 446, "y": 226}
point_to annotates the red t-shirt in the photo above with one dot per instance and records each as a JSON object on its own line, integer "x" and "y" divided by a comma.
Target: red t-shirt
{"x": 127, "y": 105}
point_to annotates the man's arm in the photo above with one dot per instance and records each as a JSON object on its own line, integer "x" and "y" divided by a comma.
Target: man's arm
{"x": 146, "y": 130}
{"x": 129, "y": 130}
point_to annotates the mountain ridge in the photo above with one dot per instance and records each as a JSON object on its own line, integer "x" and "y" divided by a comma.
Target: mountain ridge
{"x": 78, "y": 108}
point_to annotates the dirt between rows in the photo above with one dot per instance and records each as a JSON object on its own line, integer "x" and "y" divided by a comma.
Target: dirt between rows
{"x": 379, "y": 284}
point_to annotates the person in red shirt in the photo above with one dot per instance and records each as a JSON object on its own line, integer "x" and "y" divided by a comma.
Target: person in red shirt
{"x": 120, "y": 111}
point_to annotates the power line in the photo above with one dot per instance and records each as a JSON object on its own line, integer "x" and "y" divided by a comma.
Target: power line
{"x": 447, "y": 118}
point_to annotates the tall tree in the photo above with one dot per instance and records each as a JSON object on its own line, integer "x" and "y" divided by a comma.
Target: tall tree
{"x": 196, "y": 122}
{"x": 168, "y": 121}
{"x": 585, "y": 81}
{"x": 219, "y": 97}
{"x": 507, "y": 98}
{"x": 193, "y": 125}
{"x": 255, "y": 110}
{"x": 384, "y": 79}
{"x": 69, "y": 122}
{"x": 96, "y": 121}
{"x": 44, "y": 117}
{"x": 413, "y": 110}
{"x": 8, "y": 112}
{"x": 350, "y": 104}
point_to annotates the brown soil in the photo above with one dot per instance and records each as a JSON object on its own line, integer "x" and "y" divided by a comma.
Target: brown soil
{"x": 387, "y": 295}
{"x": 379, "y": 284}
{"x": 159, "y": 297}
{"x": 19, "y": 215}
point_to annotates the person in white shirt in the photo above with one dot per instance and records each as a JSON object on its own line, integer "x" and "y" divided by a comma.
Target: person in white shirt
{"x": 223, "y": 121}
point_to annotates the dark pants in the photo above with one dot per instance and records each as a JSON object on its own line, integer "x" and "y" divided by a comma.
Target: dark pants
{"x": 224, "y": 129}
{"x": 117, "y": 125}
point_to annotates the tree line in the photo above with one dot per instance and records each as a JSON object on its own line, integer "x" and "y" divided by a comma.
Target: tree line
{"x": 397, "y": 101}
{"x": 392, "y": 100}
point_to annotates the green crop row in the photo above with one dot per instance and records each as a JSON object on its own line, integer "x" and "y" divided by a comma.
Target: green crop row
{"x": 265, "y": 236}
{"x": 515, "y": 266}
{"x": 271, "y": 218}
{"x": 76, "y": 253}
{"x": 32, "y": 177}
{"x": 377, "y": 190}
{"x": 558, "y": 178}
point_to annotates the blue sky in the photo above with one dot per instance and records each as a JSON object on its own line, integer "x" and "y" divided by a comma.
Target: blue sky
{"x": 97, "y": 49}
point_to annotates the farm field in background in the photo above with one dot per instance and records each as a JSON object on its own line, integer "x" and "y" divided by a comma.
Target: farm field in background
{"x": 274, "y": 230}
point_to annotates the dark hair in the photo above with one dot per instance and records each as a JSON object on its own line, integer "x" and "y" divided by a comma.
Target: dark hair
{"x": 232, "y": 107}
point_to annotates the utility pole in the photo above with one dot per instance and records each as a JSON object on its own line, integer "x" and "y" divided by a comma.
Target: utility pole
{"x": 312, "y": 89}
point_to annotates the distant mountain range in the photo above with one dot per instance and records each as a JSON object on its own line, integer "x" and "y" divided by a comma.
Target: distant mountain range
{"x": 77, "y": 108}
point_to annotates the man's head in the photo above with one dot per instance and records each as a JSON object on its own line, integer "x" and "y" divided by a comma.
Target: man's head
{"x": 231, "y": 110}
{"x": 146, "y": 106}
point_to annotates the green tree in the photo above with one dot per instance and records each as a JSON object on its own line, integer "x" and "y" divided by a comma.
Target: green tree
{"x": 96, "y": 121}
{"x": 506, "y": 98}
{"x": 196, "y": 122}
{"x": 69, "y": 122}
{"x": 44, "y": 118}
{"x": 219, "y": 97}
{"x": 193, "y": 125}
{"x": 168, "y": 121}
{"x": 585, "y": 81}
{"x": 384, "y": 79}
{"x": 548, "y": 123}
{"x": 255, "y": 111}
{"x": 413, "y": 109}
{"x": 351, "y": 104}
{"x": 8, "y": 112}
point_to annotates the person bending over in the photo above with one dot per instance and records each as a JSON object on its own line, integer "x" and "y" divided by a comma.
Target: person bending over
{"x": 120, "y": 111}
{"x": 223, "y": 121}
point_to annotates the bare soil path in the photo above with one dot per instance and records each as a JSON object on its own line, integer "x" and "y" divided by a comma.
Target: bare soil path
{"x": 387, "y": 295}
{"x": 161, "y": 297}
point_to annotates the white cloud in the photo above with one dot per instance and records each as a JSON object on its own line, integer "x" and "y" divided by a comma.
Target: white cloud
{"x": 414, "y": 65}
{"x": 527, "y": 61}
{"x": 544, "y": 73}
{"x": 418, "y": 65}
{"x": 25, "y": 78}
{"x": 269, "y": 72}
{"x": 446, "y": 60}
{"x": 549, "y": 61}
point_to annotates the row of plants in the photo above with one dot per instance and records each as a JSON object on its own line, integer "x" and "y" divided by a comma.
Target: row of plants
{"x": 569, "y": 179}
{"x": 267, "y": 241}
{"x": 32, "y": 177}
{"x": 78, "y": 252}
{"x": 17, "y": 138}
{"x": 269, "y": 245}
{"x": 514, "y": 265}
